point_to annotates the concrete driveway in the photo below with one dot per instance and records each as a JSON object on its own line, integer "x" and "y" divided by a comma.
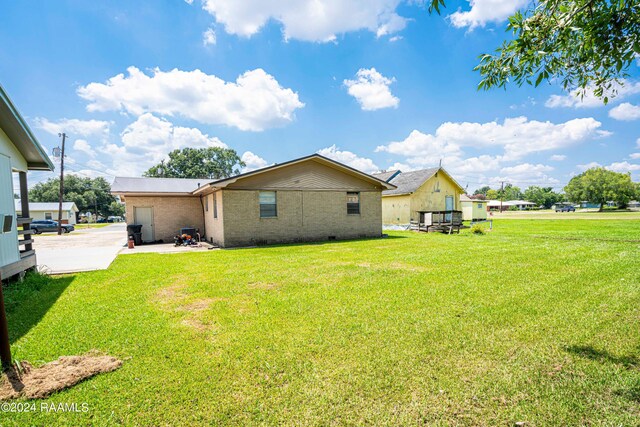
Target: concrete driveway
{"x": 81, "y": 250}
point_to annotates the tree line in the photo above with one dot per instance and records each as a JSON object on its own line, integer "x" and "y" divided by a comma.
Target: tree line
{"x": 596, "y": 185}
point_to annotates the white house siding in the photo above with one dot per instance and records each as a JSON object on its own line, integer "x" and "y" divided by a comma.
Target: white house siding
{"x": 9, "y": 251}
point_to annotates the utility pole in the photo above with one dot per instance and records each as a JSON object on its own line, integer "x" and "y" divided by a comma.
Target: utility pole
{"x": 501, "y": 194}
{"x": 64, "y": 137}
{"x": 5, "y": 348}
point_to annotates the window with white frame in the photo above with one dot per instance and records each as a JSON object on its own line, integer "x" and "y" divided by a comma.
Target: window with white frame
{"x": 353, "y": 203}
{"x": 215, "y": 205}
{"x": 268, "y": 204}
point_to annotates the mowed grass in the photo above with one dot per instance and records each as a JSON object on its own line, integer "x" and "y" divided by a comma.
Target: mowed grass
{"x": 93, "y": 225}
{"x": 537, "y": 321}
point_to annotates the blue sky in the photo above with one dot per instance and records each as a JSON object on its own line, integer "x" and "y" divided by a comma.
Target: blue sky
{"x": 377, "y": 84}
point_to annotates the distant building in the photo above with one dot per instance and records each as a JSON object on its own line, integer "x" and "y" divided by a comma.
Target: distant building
{"x": 39, "y": 211}
{"x": 473, "y": 209}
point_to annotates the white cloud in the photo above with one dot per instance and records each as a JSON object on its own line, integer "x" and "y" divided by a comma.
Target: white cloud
{"x": 427, "y": 148}
{"x": 589, "y": 100}
{"x": 350, "y": 159}
{"x": 189, "y": 2}
{"x": 526, "y": 174}
{"x": 557, "y": 157}
{"x": 75, "y": 127}
{"x": 623, "y": 167}
{"x": 253, "y": 161}
{"x": 625, "y": 111}
{"x": 308, "y": 20}
{"x": 148, "y": 140}
{"x": 518, "y": 136}
{"x": 588, "y": 166}
{"x": 82, "y": 145}
{"x": 634, "y": 156}
{"x": 95, "y": 164}
{"x": 255, "y": 101}
{"x": 395, "y": 38}
{"x": 371, "y": 90}
{"x": 484, "y": 11}
{"x": 209, "y": 37}
{"x": 638, "y": 143}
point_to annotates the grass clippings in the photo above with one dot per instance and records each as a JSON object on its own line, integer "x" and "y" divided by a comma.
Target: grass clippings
{"x": 67, "y": 371}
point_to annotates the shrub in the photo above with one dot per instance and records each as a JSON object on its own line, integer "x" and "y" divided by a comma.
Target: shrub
{"x": 477, "y": 229}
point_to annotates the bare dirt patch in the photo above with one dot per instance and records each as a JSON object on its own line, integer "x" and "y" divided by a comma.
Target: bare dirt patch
{"x": 67, "y": 371}
{"x": 170, "y": 293}
{"x": 197, "y": 305}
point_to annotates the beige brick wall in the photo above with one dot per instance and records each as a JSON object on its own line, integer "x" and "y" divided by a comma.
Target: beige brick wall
{"x": 170, "y": 214}
{"x": 302, "y": 216}
{"x": 214, "y": 226}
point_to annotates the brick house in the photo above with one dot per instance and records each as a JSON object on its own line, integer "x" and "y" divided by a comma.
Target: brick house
{"x": 308, "y": 199}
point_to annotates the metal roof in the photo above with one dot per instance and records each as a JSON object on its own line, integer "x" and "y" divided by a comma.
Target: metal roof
{"x": 12, "y": 123}
{"x": 46, "y": 206}
{"x": 123, "y": 185}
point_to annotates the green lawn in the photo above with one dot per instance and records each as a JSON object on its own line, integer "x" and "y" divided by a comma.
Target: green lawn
{"x": 85, "y": 226}
{"x": 537, "y": 321}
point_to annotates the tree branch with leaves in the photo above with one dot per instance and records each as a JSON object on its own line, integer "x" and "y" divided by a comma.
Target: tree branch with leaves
{"x": 584, "y": 45}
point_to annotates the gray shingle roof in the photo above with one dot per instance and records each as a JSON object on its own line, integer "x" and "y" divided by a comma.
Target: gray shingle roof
{"x": 41, "y": 206}
{"x": 386, "y": 175}
{"x": 409, "y": 182}
{"x": 156, "y": 185}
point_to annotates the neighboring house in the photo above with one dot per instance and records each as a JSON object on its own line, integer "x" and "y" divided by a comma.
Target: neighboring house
{"x": 521, "y": 204}
{"x": 39, "y": 210}
{"x": 19, "y": 153}
{"x": 473, "y": 209}
{"x": 634, "y": 204}
{"x": 308, "y": 199}
{"x": 417, "y": 192}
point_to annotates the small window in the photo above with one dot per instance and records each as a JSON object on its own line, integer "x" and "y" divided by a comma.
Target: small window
{"x": 206, "y": 204}
{"x": 48, "y": 215}
{"x": 353, "y": 203}
{"x": 479, "y": 205}
{"x": 215, "y": 205}
{"x": 7, "y": 223}
{"x": 268, "y": 204}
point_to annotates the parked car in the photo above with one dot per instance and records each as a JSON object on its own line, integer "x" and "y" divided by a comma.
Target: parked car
{"x": 43, "y": 225}
{"x": 565, "y": 208}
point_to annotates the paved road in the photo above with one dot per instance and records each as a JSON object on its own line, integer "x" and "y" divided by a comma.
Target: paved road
{"x": 81, "y": 250}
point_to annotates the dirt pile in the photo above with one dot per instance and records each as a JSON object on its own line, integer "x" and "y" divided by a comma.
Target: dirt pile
{"x": 38, "y": 383}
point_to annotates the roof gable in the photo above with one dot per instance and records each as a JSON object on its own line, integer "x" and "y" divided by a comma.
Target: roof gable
{"x": 311, "y": 172}
{"x": 409, "y": 182}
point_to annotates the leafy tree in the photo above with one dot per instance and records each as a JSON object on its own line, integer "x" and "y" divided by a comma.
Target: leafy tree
{"x": 492, "y": 194}
{"x": 542, "y": 196}
{"x": 510, "y": 192}
{"x": 583, "y": 44}
{"x": 599, "y": 185}
{"x": 211, "y": 163}
{"x": 84, "y": 192}
{"x": 482, "y": 190}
